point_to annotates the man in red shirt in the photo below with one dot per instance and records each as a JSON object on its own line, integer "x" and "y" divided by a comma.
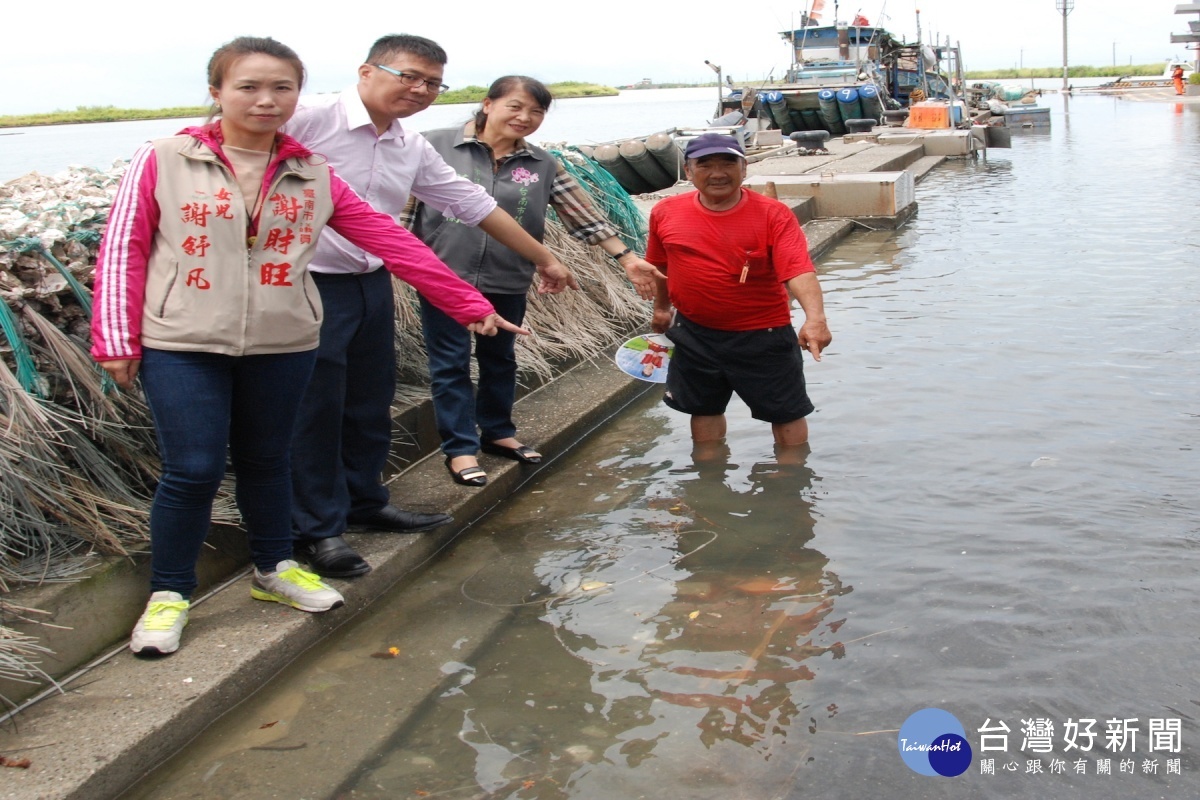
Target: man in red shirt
{"x": 731, "y": 257}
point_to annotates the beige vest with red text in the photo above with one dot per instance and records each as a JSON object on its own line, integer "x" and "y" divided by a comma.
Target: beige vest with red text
{"x": 206, "y": 289}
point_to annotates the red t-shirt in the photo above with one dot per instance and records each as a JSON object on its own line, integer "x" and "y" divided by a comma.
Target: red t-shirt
{"x": 703, "y": 253}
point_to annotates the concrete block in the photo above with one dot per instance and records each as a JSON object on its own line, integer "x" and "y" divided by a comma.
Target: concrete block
{"x": 769, "y": 138}
{"x": 949, "y": 143}
{"x": 853, "y": 195}
{"x": 1027, "y": 117}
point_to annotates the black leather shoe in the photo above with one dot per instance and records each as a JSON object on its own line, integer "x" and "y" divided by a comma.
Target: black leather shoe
{"x": 390, "y": 518}
{"x": 332, "y": 558}
{"x": 467, "y": 476}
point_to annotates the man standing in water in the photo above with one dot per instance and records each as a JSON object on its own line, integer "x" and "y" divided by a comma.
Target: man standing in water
{"x": 344, "y": 430}
{"x": 731, "y": 257}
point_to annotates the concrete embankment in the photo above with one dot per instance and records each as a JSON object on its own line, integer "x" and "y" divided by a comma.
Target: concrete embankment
{"x": 125, "y": 715}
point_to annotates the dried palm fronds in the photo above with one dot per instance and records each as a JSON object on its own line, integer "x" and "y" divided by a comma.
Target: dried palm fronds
{"x": 412, "y": 365}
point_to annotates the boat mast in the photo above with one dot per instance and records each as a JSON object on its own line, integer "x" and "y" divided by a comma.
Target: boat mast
{"x": 805, "y": 21}
{"x": 921, "y": 59}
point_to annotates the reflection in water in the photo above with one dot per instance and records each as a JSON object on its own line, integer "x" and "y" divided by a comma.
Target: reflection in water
{"x": 748, "y": 604}
{"x": 695, "y": 614}
{"x": 705, "y": 627}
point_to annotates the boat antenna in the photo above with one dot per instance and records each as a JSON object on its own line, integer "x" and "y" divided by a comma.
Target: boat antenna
{"x": 921, "y": 66}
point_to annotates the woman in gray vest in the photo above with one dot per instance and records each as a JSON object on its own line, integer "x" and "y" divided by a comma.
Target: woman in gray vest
{"x": 492, "y": 151}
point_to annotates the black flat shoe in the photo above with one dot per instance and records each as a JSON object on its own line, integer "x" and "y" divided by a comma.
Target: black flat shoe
{"x": 467, "y": 476}
{"x": 524, "y": 454}
{"x": 390, "y": 518}
{"x": 332, "y": 558}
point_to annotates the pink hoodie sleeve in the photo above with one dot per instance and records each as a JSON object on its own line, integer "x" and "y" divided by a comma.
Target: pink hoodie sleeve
{"x": 404, "y": 255}
{"x": 119, "y": 290}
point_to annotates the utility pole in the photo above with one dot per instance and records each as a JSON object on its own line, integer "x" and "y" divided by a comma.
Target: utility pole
{"x": 1065, "y": 7}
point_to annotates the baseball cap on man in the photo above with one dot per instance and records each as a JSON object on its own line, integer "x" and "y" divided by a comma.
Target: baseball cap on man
{"x": 707, "y": 144}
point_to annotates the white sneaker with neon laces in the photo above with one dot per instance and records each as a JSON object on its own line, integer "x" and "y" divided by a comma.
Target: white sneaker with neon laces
{"x": 294, "y": 587}
{"x": 159, "y": 629}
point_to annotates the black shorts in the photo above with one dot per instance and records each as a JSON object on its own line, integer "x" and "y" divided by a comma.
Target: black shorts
{"x": 765, "y": 367}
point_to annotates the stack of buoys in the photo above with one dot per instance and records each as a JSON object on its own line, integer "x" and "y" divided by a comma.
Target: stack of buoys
{"x": 872, "y": 104}
{"x": 831, "y": 117}
{"x": 778, "y": 108}
{"x": 849, "y": 106}
{"x": 830, "y": 112}
{"x": 642, "y": 165}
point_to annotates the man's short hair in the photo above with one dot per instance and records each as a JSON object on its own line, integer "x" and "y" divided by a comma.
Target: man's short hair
{"x": 388, "y": 47}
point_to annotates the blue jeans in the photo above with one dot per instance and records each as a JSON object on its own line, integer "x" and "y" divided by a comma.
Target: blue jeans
{"x": 458, "y": 407}
{"x": 203, "y": 403}
{"x": 344, "y": 430}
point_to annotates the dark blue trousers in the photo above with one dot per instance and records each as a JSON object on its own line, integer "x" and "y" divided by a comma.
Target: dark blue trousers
{"x": 204, "y": 403}
{"x": 344, "y": 429}
{"x": 462, "y": 413}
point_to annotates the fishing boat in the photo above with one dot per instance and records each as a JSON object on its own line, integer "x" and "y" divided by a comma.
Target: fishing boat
{"x": 844, "y": 78}
{"x": 1127, "y": 82}
{"x": 843, "y": 72}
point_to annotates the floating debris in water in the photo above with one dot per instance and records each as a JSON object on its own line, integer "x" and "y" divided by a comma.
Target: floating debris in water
{"x": 391, "y": 652}
{"x": 580, "y": 753}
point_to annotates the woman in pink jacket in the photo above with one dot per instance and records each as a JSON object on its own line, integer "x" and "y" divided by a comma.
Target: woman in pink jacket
{"x": 202, "y": 288}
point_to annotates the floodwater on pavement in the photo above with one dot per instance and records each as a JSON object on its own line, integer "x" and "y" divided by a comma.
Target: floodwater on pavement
{"x": 998, "y": 517}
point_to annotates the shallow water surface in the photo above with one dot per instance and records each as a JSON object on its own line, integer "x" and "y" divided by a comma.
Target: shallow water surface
{"x": 998, "y": 517}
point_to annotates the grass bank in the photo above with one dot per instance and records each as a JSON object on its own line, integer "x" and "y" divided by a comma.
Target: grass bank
{"x": 101, "y": 114}
{"x": 468, "y": 94}
{"x": 1072, "y": 72}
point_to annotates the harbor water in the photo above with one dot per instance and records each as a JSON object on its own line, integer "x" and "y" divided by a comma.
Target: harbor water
{"x": 51, "y": 148}
{"x": 998, "y": 517}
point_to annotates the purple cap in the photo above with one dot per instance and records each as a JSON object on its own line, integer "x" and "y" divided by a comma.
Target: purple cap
{"x": 707, "y": 144}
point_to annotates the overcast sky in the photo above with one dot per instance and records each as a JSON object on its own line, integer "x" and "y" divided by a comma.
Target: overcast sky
{"x": 151, "y": 53}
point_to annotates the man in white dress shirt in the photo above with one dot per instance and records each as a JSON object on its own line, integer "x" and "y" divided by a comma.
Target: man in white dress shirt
{"x": 344, "y": 431}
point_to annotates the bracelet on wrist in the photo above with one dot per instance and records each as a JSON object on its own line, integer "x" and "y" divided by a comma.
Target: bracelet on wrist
{"x": 622, "y": 254}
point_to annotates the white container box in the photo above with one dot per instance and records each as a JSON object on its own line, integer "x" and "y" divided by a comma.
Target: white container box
{"x": 846, "y": 194}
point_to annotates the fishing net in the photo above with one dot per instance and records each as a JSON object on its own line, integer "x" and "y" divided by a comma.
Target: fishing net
{"x": 608, "y": 195}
